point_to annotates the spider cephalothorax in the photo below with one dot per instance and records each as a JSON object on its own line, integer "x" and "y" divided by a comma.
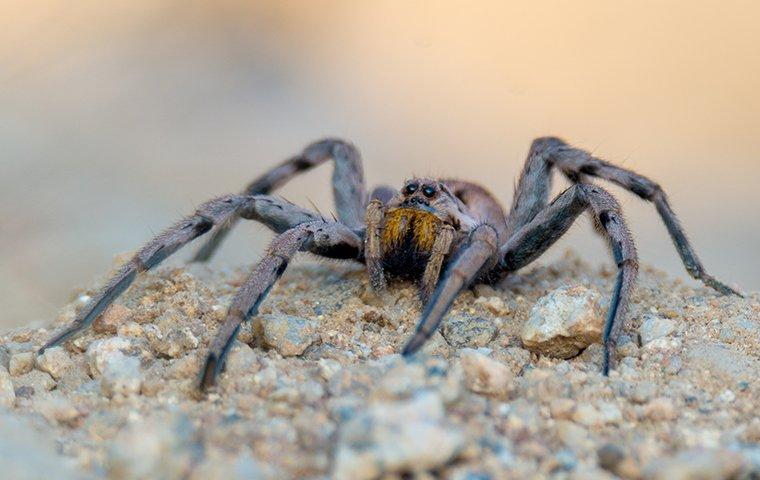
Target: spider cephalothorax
{"x": 445, "y": 234}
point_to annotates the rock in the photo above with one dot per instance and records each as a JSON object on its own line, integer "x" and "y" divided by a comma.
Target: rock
{"x": 7, "y": 393}
{"x": 696, "y": 465}
{"x": 564, "y": 322}
{"x": 660, "y": 408}
{"x": 626, "y": 347}
{"x": 643, "y": 392}
{"x": 654, "y": 328}
{"x": 486, "y": 375}
{"x": 562, "y": 408}
{"x": 466, "y": 331}
{"x": 154, "y": 447}
{"x": 54, "y": 361}
{"x": 396, "y": 437}
{"x": 175, "y": 343}
{"x": 38, "y": 380}
{"x": 121, "y": 376}
{"x": 111, "y": 319}
{"x": 493, "y": 304}
{"x": 21, "y": 363}
{"x": 100, "y": 351}
{"x": 287, "y": 334}
{"x": 58, "y": 410}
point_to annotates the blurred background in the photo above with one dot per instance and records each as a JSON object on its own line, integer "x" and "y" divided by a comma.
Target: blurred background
{"x": 118, "y": 117}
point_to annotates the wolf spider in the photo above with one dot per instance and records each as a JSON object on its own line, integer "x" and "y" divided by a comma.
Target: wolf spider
{"x": 445, "y": 234}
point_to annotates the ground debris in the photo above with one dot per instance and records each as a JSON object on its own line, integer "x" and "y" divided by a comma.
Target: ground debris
{"x": 315, "y": 387}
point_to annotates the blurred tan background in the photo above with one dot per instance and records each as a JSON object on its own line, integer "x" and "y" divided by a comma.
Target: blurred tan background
{"x": 117, "y": 117}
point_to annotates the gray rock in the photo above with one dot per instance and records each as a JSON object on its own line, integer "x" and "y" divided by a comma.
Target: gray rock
{"x": 654, "y": 328}
{"x": 21, "y": 363}
{"x": 100, "y": 351}
{"x": 486, "y": 375}
{"x": 564, "y": 322}
{"x": 175, "y": 343}
{"x": 466, "y": 331}
{"x": 287, "y": 334}
{"x": 395, "y": 437}
{"x": 7, "y": 393}
{"x": 54, "y": 361}
{"x": 37, "y": 380}
{"x": 121, "y": 376}
{"x": 643, "y": 392}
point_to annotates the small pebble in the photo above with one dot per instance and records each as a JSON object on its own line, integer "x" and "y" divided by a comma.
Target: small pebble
{"x": 465, "y": 331}
{"x": 289, "y": 335}
{"x": 486, "y": 375}
{"x": 21, "y": 363}
{"x": 54, "y": 361}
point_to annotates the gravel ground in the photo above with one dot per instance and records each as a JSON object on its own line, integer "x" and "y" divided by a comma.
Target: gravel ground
{"x": 314, "y": 387}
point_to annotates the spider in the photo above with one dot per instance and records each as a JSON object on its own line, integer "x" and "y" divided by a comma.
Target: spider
{"x": 444, "y": 234}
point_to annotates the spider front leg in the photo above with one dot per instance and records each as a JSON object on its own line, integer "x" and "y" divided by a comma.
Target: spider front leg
{"x": 373, "y": 248}
{"x": 211, "y": 213}
{"x": 349, "y": 190}
{"x": 330, "y": 239}
{"x": 533, "y": 239}
{"x": 275, "y": 213}
{"x": 472, "y": 259}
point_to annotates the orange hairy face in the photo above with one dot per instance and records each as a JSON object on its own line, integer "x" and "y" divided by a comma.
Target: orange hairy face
{"x": 419, "y": 226}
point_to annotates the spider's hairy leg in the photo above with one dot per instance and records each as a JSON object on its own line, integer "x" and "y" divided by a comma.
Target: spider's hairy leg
{"x": 322, "y": 238}
{"x": 277, "y": 214}
{"x": 373, "y": 249}
{"x": 442, "y": 247}
{"x": 348, "y": 185}
{"x": 211, "y": 213}
{"x": 474, "y": 255}
{"x": 533, "y": 239}
{"x": 578, "y": 164}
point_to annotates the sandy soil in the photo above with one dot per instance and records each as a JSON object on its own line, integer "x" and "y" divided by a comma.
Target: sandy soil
{"x": 314, "y": 387}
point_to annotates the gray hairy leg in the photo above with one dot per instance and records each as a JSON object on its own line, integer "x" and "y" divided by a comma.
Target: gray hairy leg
{"x": 533, "y": 239}
{"x": 316, "y": 237}
{"x": 373, "y": 250}
{"x": 577, "y": 165}
{"x": 478, "y": 251}
{"x": 441, "y": 248}
{"x": 277, "y": 214}
{"x": 211, "y": 213}
{"x": 349, "y": 191}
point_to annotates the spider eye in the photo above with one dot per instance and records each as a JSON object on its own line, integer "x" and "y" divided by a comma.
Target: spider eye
{"x": 428, "y": 191}
{"x": 410, "y": 189}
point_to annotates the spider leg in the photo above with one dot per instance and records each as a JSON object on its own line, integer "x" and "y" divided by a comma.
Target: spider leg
{"x": 535, "y": 182}
{"x": 318, "y": 237}
{"x": 373, "y": 249}
{"x": 441, "y": 248}
{"x": 275, "y": 213}
{"x": 469, "y": 263}
{"x": 347, "y": 181}
{"x": 533, "y": 239}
